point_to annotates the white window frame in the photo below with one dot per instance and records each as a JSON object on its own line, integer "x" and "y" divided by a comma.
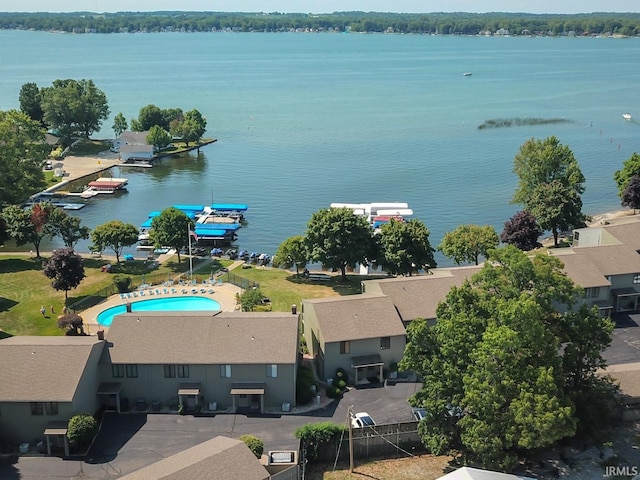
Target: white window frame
{"x": 272, "y": 371}
{"x": 225, "y": 371}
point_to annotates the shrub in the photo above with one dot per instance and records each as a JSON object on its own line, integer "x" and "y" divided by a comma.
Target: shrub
{"x": 333, "y": 391}
{"x": 314, "y": 435}
{"x": 81, "y": 430}
{"x": 254, "y": 443}
{"x": 305, "y": 380}
{"x": 341, "y": 374}
{"x": 342, "y": 384}
{"x": 122, "y": 283}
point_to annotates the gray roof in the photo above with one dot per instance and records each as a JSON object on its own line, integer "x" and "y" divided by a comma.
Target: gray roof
{"x": 419, "y": 296}
{"x": 132, "y": 138}
{"x": 220, "y": 457}
{"x": 627, "y": 231}
{"x": 469, "y": 473}
{"x": 580, "y": 269}
{"x": 203, "y": 338}
{"x": 136, "y": 148}
{"x": 57, "y": 363}
{"x": 356, "y": 317}
{"x": 612, "y": 259}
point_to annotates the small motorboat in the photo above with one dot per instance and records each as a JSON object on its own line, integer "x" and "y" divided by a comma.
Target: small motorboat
{"x": 626, "y": 116}
{"x": 466, "y": 74}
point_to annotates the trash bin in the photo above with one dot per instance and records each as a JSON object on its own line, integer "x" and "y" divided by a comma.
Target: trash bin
{"x": 294, "y": 309}
{"x": 24, "y": 447}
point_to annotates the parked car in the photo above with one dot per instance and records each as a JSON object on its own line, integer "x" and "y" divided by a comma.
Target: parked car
{"x": 361, "y": 420}
{"x": 418, "y": 413}
{"x": 48, "y": 165}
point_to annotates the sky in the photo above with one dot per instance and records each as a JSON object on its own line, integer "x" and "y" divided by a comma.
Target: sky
{"x": 325, "y": 6}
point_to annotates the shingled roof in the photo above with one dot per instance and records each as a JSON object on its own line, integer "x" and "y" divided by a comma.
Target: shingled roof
{"x": 220, "y": 457}
{"x": 579, "y": 268}
{"x": 56, "y": 362}
{"x": 203, "y": 338}
{"x": 356, "y": 317}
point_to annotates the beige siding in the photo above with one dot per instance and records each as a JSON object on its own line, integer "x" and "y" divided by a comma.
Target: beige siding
{"x": 85, "y": 399}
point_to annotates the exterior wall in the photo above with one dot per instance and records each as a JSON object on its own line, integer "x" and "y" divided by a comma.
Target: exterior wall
{"x": 587, "y": 237}
{"x": 311, "y": 329}
{"x": 85, "y": 399}
{"x": 18, "y": 425}
{"x": 152, "y": 385}
{"x": 334, "y": 359}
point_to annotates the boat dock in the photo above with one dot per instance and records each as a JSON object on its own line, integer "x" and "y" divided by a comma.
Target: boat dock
{"x": 378, "y": 214}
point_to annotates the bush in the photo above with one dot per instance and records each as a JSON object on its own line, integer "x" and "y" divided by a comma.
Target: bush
{"x": 342, "y": 384}
{"x": 315, "y": 435}
{"x": 254, "y": 443}
{"x": 305, "y": 380}
{"x": 341, "y": 374}
{"x": 122, "y": 283}
{"x": 81, "y": 430}
{"x": 333, "y": 391}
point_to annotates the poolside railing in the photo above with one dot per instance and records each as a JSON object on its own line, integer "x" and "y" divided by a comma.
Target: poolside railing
{"x": 239, "y": 281}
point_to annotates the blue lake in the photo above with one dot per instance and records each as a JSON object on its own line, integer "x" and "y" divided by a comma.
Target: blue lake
{"x": 303, "y": 120}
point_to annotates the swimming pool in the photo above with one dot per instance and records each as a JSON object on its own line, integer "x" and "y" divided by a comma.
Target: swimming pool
{"x": 169, "y": 304}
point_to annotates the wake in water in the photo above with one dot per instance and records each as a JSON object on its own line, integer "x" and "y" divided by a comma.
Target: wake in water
{"x": 520, "y": 122}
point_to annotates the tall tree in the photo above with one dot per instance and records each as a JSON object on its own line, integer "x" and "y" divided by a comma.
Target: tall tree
{"x": 75, "y": 108}
{"x": 292, "y": 252}
{"x": 338, "y": 238}
{"x": 630, "y": 167}
{"x": 506, "y": 355}
{"x": 22, "y": 154}
{"x": 149, "y": 116}
{"x": 114, "y": 235}
{"x": 521, "y": 231}
{"x": 158, "y": 137}
{"x": 404, "y": 247}
{"x": 119, "y": 124}
{"x": 31, "y": 102}
{"x": 66, "y": 270}
{"x": 28, "y": 226}
{"x": 67, "y": 227}
{"x": 631, "y": 195}
{"x": 193, "y": 127}
{"x": 170, "y": 229}
{"x": 550, "y": 184}
{"x": 468, "y": 242}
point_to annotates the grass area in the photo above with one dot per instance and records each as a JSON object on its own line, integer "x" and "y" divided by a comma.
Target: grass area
{"x": 422, "y": 467}
{"x": 90, "y": 147}
{"x": 49, "y": 178}
{"x": 181, "y": 147}
{"x": 284, "y": 289}
{"x": 24, "y": 288}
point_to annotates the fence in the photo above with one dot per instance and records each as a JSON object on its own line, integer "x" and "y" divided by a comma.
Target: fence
{"x": 239, "y": 281}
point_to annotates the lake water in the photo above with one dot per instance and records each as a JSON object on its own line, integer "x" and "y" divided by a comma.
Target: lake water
{"x": 303, "y": 120}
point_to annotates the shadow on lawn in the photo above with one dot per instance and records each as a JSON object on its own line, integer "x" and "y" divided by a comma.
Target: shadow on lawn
{"x": 7, "y": 304}
{"x": 15, "y": 265}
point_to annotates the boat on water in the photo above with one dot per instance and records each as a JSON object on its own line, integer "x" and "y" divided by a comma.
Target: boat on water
{"x": 626, "y": 116}
{"x": 466, "y": 74}
{"x": 104, "y": 185}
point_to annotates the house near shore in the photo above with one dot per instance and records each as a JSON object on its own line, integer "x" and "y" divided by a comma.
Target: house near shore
{"x": 133, "y": 147}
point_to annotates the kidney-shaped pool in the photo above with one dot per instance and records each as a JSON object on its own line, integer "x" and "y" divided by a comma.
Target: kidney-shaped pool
{"x": 168, "y": 304}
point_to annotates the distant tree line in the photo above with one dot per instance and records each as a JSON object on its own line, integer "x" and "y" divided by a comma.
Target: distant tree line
{"x": 433, "y": 23}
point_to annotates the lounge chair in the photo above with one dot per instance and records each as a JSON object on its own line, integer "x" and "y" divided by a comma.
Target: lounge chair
{"x": 184, "y": 290}
{"x": 150, "y": 292}
{"x": 135, "y": 294}
{"x": 202, "y": 290}
{"x": 210, "y": 290}
{"x": 173, "y": 290}
{"x": 166, "y": 290}
{"x": 158, "y": 291}
{"x": 123, "y": 296}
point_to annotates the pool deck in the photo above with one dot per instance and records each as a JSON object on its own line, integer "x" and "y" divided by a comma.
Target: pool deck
{"x": 223, "y": 293}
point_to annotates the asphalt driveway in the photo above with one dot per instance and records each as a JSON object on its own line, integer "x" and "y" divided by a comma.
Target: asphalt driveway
{"x": 130, "y": 441}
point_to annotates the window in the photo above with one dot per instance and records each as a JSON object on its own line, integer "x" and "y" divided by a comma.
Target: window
{"x": 272, "y": 371}
{"x": 51, "y": 408}
{"x": 132, "y": 371}
{"x": 169, "y": 371}
{"x": 345, "y": 347}
{"x": 592, "y": 292}
{"x": 636, "y": 278}
{"x": 183, "y": 371}
{"x": 117, "y": 371}
{"x": 385, "y": 343}
{"x": 37, "y": 408}
{"x": 225, "y": 371}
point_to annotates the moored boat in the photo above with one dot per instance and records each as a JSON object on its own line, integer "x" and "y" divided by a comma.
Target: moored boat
{"x": 626, "y": 116}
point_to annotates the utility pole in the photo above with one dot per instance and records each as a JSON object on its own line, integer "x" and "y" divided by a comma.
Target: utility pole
{"x": 349, "y": 418}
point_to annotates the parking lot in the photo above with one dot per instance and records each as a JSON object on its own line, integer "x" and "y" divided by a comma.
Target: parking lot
{"x": 128, "y": 442}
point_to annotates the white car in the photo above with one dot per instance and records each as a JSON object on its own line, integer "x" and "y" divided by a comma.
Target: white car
{"x": 419, "y": 413}
{"x": 361, "y": 420}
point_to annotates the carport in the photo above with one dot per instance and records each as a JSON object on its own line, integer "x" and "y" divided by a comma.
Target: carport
{"x": 248, "y": 396}
{"x": 110, "y": 390}
{"x": 367, "y": 367}
{"x": 56, "y": 435}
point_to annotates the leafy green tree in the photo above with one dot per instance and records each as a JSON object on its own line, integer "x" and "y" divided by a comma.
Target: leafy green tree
{"x": 292, "y": 252}
{"x": 521, "y": 231}
{"x": 468, "y": 242}
{"x": 170, "y": 229}
{"x": 148, "y": 116}
{"x": 405, "y": 247}
{"x": 65, "y": 268}
{"x": 81, "y": 430}
{"x": 193, "y": 126}
{"x": 21, "y": 156}
{"x": 158, "y": 137}
{"x": 250, "y": 299}
{"x": 119, "y": 124}
{"x": 339, "y": 238}
{"x": 315, "y": 436}
{"x": 513, "y": 355}
{"x": 550, "y": 184}
{"x": 630, "y": 167}
{"x": 254, "y": 443}
{"x": 74, "y": 108}
{"x": 31, "y": 102}
{"x": 631, "y": 195}
{"x": 28, "y": 226}
{"x": 114, "y": 235}
{"x": 67, "y": 227}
